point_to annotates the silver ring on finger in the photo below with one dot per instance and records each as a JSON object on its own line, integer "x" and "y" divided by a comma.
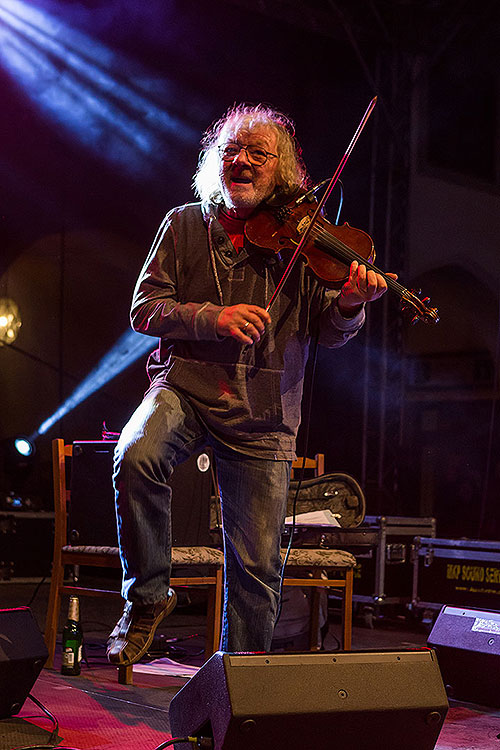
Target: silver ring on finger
{"x": 246, "y": 325}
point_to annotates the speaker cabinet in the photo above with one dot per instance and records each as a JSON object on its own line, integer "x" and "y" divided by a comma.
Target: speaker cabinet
{"x": 92, "y": 496}
{"x": 467, "y": 643}
{"x": 22, "y": 656}
{"x": 350, "y": 701}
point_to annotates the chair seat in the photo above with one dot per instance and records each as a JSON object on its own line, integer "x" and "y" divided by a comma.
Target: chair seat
{"x": 197, "y": 556}
{"x": 180, "y": 555}
{"x": 89, "y": 549}
{"x": 322, "y": 558}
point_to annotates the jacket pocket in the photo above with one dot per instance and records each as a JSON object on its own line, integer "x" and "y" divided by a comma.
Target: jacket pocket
{"x": 241, "y": 396}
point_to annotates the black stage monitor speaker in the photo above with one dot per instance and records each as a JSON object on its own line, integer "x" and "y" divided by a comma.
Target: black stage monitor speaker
{"x": 92, "y": 496}
{"x": 321, "y": 701}
{"x": 22, "y": 656}
{"x": 467, "y": 642}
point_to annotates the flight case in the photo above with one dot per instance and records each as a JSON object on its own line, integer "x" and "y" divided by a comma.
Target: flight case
{"x": 463, "y": 572}
{"x": 384, "y": 573}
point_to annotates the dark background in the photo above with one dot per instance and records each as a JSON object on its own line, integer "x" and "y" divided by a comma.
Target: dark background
{"x": 103, "y": 106}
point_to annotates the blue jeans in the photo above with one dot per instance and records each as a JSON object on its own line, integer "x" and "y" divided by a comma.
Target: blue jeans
{"x": 163, "y": 432}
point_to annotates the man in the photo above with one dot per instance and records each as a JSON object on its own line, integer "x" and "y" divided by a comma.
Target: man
{"x": 226, "y": 373}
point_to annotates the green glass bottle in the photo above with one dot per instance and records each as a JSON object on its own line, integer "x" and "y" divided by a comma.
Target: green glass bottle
{"x": 72, "y": 640}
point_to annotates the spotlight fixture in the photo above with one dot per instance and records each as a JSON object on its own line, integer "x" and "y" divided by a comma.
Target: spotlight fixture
{"x": 19, "y": 454}
{"x": 17, "y": 460}
{"x": 24, "y": 446}
{"x": 10, "y": 321}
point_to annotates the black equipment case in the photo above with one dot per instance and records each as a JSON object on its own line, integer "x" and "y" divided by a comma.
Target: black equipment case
{"x": 384, "y": 574}
{"x": 463, "y": 572}
{"x": 92, "y": 496}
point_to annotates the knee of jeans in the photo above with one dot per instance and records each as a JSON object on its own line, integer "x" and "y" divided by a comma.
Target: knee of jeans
{"x": 260, "y": 556}
{"x": 141, "y": 457}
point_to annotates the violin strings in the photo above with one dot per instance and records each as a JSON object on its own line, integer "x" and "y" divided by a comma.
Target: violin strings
{"x": 347, "y": 254}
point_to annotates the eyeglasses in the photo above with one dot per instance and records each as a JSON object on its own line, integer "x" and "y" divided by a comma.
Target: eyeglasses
{"x": 255, "y": 155}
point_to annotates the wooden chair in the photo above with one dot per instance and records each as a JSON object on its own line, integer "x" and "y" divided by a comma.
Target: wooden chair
{"x": 108, "y": 557}
{"x": 327, "y": 568}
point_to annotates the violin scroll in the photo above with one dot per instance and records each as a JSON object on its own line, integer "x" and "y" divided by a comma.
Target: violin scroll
{"x": 418, "y": 309}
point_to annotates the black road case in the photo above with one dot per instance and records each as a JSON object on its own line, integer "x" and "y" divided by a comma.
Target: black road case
{"x": 384, "y": 573}
{"x": 463, "y": 572}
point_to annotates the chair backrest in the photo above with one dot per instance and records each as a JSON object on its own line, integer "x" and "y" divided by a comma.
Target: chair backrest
{"x": 60, "y": 452}
{"x": 316, "y": 465}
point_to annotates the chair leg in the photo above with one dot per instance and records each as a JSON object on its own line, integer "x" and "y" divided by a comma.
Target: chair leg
{"x": 126, "y": 675}
{"x": 347, "y": 611}
{"x": 53, "y": 609}
{"x": 314, "y": 619}
{"x": 209, "y": 638}
{"x": 214, "y": 615}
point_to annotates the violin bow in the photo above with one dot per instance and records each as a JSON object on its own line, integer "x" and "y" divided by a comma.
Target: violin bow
{"x": 322, "y": 202}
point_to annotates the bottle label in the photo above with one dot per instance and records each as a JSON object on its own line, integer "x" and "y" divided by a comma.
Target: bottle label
{"x": 68, "y": 658}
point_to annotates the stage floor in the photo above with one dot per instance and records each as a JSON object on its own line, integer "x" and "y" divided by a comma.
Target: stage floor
{"x": 96, "y": 713}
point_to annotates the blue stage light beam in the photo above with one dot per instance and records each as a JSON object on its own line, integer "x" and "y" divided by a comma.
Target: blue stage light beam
{"x": 111, "y": 104}
{"x": 127, "y": 350}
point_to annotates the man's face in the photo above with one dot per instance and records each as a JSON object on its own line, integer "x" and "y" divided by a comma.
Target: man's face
{"x": 245, "y": 185}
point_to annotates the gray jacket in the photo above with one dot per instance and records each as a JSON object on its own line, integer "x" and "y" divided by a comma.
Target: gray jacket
{"x": 248, "y": 397}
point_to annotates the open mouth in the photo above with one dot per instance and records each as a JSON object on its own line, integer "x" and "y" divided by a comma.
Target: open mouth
{"x": 242, "y": 180}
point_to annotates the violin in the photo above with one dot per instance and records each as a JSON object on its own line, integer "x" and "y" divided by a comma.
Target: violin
{"x": 328, "y": 250}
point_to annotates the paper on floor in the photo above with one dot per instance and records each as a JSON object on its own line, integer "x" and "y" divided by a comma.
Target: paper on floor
{"x": 166, "y": 666}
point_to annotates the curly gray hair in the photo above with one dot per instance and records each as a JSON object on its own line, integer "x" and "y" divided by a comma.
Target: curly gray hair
{"x": 290, "y": 173}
